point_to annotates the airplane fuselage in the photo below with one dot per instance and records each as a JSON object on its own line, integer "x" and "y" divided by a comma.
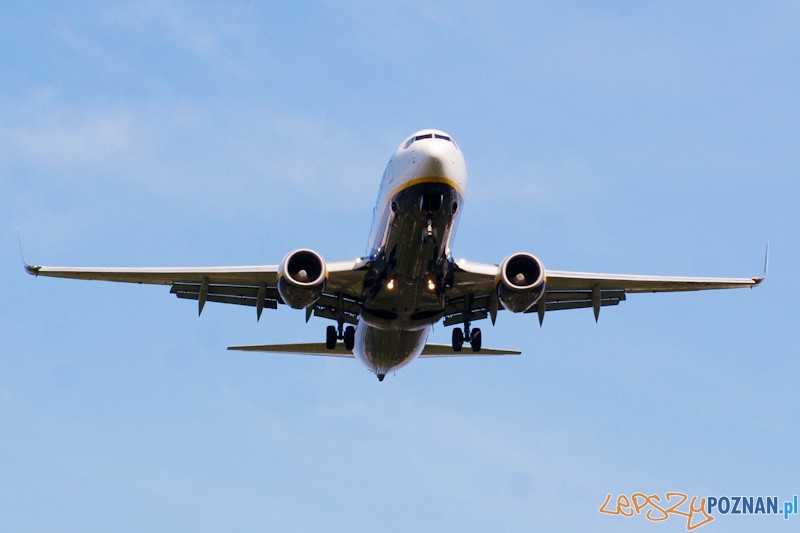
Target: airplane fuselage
{"x": 419, "y": 203}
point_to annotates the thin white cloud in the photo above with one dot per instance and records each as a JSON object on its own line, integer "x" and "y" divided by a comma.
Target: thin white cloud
{"x": 552, "y": 187}
{"x": 71, "y": 140}
{"x": 188, "y": 25}
{"x": 240, "y": 157}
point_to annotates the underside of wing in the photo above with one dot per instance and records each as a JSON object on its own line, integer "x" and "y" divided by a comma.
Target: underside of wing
{"x": 306, "y": 348}
{"x": 254, "y": 286}
{"x": 446, "y": 350}
{"x": 473, "y": 295}
{"x": 559, "y": 281}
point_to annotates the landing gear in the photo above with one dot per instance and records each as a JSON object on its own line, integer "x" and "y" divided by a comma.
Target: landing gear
{"x": 472, "y": 337}
{"x": 429, "y": 234}
{"x": 349, "y": 338}
{"x": 330, "y": 337}
{"x": 340, "y": 333}
{"x": 458, "y": 340}
{"x": 429, "y": 203}
{"x": 475, "y": 340}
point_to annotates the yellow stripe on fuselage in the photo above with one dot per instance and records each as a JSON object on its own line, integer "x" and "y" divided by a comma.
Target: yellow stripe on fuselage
{"x": 428, "y": 179}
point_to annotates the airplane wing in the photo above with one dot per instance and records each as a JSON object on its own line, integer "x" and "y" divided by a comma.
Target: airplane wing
{"x": 319, "y": 348}
{"x": 473, "y": 293}
{"x": 254, "y": 286}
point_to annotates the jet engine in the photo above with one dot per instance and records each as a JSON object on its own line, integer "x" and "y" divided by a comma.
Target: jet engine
{"x": 301, "y": 278}
{"x": 521, "y": 282}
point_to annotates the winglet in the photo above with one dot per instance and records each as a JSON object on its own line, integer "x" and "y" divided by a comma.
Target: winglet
{"x": 766, "y": 266}
{"x": 32, "y": 270}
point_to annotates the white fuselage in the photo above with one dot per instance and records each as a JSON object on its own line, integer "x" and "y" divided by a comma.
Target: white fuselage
{"x": 419, "y": 202}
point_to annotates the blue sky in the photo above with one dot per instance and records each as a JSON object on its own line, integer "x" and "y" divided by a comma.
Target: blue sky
{"x": 654, "y": 139}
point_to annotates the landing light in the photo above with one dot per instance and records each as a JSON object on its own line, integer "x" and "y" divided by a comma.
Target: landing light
{"x": 431, "y": 285}
{"x": 390, "y": 285}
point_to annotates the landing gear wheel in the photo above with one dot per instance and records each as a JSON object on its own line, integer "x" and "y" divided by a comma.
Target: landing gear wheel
{"x": 330, "y": 337}
{"x": 475, "y": 340}
{"x": 349, "y": 338}
{"x": 458, "y": 339}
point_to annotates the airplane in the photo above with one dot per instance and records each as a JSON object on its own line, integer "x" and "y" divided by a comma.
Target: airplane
{"x": 385, "y": 303}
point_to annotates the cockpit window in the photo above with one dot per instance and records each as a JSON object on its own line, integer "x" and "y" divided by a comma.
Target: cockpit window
{"x": 428, "y": 136}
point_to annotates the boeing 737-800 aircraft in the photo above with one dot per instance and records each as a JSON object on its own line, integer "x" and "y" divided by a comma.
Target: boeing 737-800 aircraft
{"x": 385, "y": 303}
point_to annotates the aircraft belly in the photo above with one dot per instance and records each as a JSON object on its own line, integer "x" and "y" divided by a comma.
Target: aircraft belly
{"x": 404, "y": 246}
{"x": 383, "y": 351}
{"x": 406, "y": 289}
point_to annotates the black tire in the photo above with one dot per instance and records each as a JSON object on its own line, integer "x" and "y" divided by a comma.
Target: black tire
{"x": 458, "y": 339}
{"x": 330, "y": 337}
{"x": 349, "y": 338}
{"x": 475, "y": 340}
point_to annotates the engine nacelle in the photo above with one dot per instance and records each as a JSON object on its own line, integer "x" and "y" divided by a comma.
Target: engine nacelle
{"x": 301, "y": 278}
{"x": 521, "y": 282}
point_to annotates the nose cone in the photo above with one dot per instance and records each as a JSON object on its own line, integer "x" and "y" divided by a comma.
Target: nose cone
{"x": 429, "y": 155}
{"x": 435, "y": 158}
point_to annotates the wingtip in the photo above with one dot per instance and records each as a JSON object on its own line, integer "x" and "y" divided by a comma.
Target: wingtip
{"x": 757, "y": 281}
{"x": 28, "y": 268}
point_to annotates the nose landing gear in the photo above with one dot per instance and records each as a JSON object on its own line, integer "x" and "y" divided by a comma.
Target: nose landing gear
{"x": 429, "y": 234}
{"x": 430, "y": 203}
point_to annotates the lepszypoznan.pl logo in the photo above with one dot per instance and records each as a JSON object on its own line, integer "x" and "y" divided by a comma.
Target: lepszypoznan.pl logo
{"x": 699, "y": 511}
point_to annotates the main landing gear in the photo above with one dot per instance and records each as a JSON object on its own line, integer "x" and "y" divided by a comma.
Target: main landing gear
{"x": 473, "y": 337}
{"x": 348, "y": 335}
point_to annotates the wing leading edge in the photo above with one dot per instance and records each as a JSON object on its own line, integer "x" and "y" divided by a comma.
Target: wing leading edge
{"x": 481, "y": 278}
{"x": 472, "y": 295}
{"x": 243, "y": 275}
{"x": 253, "y": 286}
